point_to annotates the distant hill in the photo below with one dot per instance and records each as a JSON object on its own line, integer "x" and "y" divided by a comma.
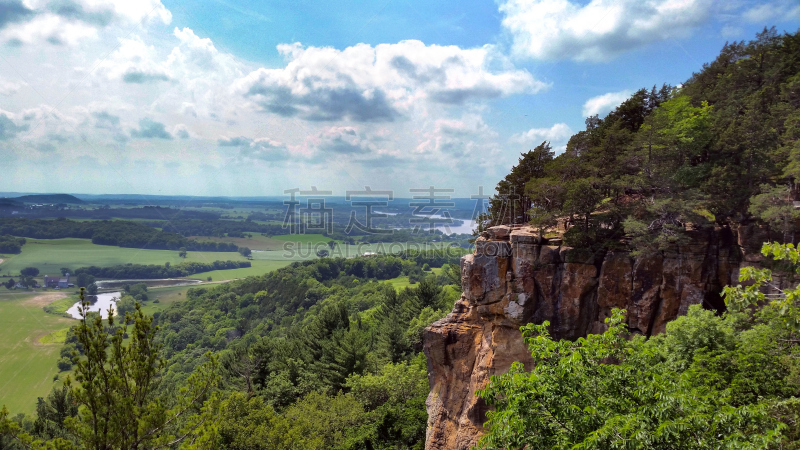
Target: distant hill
{"x": 10, "y": 203}
{"x": 48, "y": 198}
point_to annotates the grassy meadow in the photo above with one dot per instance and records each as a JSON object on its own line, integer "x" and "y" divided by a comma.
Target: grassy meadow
{"x": 50, "y": 255}
{"x": 30, "y": 342}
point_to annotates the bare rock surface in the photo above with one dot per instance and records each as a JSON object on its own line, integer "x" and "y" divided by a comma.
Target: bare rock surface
{"x": 515, "y": 278}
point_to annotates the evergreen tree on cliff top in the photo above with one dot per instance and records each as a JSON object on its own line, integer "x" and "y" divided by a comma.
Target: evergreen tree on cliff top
{"x": 670, "y": 160}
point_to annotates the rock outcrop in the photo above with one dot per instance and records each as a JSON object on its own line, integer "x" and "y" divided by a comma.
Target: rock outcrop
{"x": 513, "y": 278}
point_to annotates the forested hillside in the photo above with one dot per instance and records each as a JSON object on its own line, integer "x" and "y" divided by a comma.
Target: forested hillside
{"x": 719, "y": 150}
{"x": 120, "y": 233}
{"x": 317, "y": 355}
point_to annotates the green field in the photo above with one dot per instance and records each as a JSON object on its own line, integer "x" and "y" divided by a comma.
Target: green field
{"x": 27, "y": 366}
{"x": 49, "y": 255}
{"x": 165, "y": 296}
{"x": 403, "y": 282}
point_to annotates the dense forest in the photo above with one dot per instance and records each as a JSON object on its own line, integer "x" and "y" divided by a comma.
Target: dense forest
{"x": 11, "y": 244}
{"x": 154, "y": 271}
{"x": 118, "y": 233}
{"x": 317, "y": 355}
{"x": 718, "y": 151}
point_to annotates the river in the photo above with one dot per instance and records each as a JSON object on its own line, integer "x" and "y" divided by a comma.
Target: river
{"x": 104, "y": 301}
{"x": 466, "y": 226}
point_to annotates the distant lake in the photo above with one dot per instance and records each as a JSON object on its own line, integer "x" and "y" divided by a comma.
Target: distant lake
{"x": 466, "y": 226}
{"x": 104, "y": 301}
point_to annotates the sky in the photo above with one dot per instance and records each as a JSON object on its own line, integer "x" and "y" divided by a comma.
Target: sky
{"x": 249, "y": 98}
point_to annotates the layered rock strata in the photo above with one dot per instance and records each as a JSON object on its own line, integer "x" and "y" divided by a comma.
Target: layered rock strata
{"x": 515, "y": 278}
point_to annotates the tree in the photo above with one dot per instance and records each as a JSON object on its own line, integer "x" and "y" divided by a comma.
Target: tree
{"x": 323, "y": 253}
{"x": 182, "y": 252}
{"x": 775, "y": 207}
{"x": 118, "y": 385}
{"x": 29, "y": 272}
{"x": 92, "y": 289}
{"x": 84, "y": 280}
{"x": 65, "y": 271}
{"x": 332, "y": 244}
{"x": 511, "y": 203}
{"x": 10, "y": 283}
{"x": 28, "y": 281}
{"x": 245, "y": 251}
{"x": 53, "y": 411}
{"x": 126, "y": 305}
{"x": 117, "y": 397}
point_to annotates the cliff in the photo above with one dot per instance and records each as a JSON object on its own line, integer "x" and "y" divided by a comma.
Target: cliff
{"x": 513, "y": 279}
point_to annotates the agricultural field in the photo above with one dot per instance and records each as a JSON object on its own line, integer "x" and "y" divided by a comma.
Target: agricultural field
{"x": 30, "y": 342}
{"x": 49, "y": 255}
{"x": 165, "y": 296}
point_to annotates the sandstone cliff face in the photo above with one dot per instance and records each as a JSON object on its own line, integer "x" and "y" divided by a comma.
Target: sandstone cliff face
{"x": 512, "y": 279}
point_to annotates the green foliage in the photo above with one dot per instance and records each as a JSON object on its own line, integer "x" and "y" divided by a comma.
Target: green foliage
{"x": 29, "y": 272}
{"x": 117, "y": 384}
{"x": 119, "y": 233}
{"x": 154, "y": 271}
{"x": 774, "y": 207}
{"x": 11, "y": 244}
{"x": 719, "y": 151}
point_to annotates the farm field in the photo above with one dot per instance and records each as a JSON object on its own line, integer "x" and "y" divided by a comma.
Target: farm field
{"x": 403, "y": 282}
{"x": 166, "y": 296}
{"x": 27, "y": 366}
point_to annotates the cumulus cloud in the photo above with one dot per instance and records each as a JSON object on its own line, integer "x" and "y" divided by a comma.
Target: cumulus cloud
{"x": 13, "y": 11}
{"x": 103, "y": 119}
{"x": 603, "y": 104}
{"x": 67, "y": 22}
{"x": 150, "y": 129}
{"x": 135, "y": 76}
{"x": 263, "y": 149}
{"x": 234, "y": 141}
{"x": 10, "y": 87}
{"x": 598, "y": 30}
{"x": 134, "y": 62}
{"x": 377, "y": 84}
{"x": 100, "y": 15}
{"x": 469, "y": 135}
{"x": 9, "y": 129}
{"x": 180, "y": 131}
{"x": 557, "y": 134}
{"x": 342, "y": 141}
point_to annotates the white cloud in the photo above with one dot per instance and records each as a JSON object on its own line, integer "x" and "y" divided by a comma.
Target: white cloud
{"x": 776, "y": 10}
{"x": 603, "y": 104}
{"x": 10, "y": 87}
{"x": 167, "y": 94}
{"x": 460, "y": 138}
{"x": 599, "y": 30}
{"x": 68, "y": 22}
{"x": 180, "y": 131}
{"x": 379, "y": 84}
{"x": 558, "y": 134}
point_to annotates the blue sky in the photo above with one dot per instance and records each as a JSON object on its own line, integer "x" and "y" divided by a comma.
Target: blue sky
{"x": 216, "y": 97}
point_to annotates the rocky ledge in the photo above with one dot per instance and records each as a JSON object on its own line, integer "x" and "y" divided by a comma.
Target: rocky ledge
{"x": 515, "y": 278}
